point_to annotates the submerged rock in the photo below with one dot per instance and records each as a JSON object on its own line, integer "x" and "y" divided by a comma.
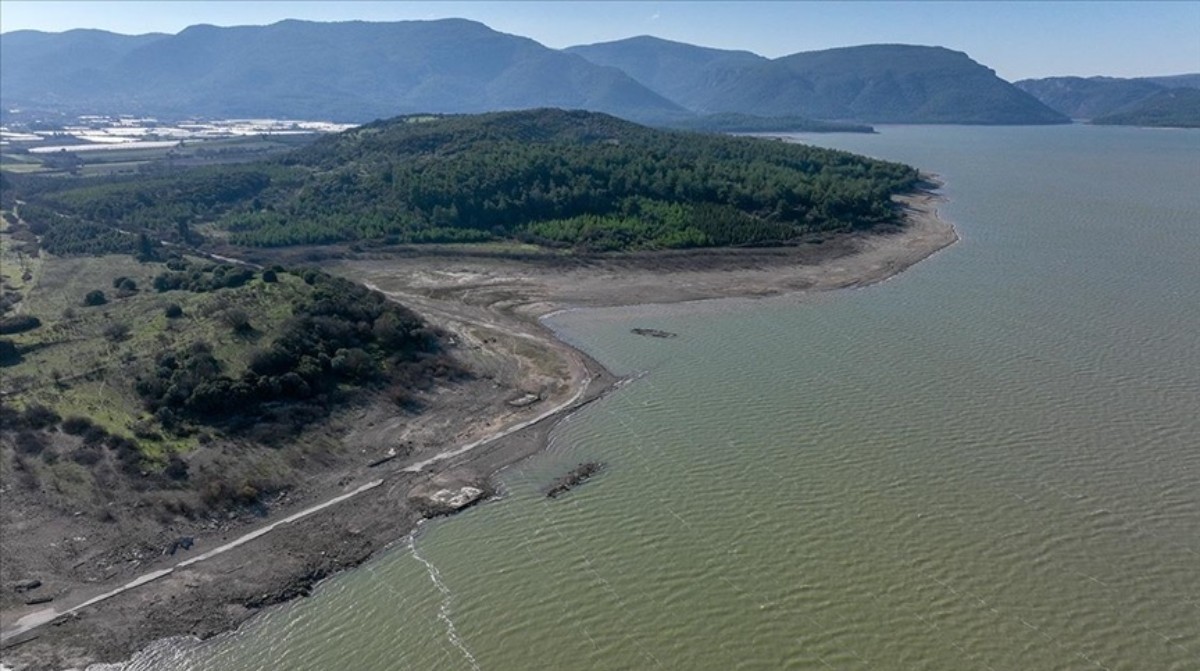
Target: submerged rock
{"x": 577, "y": 476}
{"x": 653, "y": 333}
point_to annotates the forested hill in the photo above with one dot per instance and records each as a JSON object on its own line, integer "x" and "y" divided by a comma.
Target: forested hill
{"x": 578, "y": 179}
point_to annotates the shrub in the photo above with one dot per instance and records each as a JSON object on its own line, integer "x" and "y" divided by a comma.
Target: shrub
{"x": 116, "y": 332}
{"x": 177, "y": 468}
{"x": 9, "y": 354}
{"x": 38, "y": 416}
{"x": 29, "y": 442}
{"x": 76, "y": 425}
{"x": 88, "y": 454}
{"x": 95, "y": 297}
{"x": 19, "y": 324}
{"x": 238, "y": 320}
{"x": 95, "y": 435}
{"x": 173, "y": 311}
{"x": 126, "y": 287}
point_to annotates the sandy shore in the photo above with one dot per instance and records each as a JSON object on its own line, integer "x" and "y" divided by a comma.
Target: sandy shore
{"x": 492, "y": 303}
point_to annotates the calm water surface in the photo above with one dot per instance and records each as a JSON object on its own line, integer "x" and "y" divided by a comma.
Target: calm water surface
{"x": 991, "y": 461}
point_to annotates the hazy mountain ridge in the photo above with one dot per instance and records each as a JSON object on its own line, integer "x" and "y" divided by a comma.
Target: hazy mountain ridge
{"x": 885, "y": 83}
{"x": 357, "y": 71}
{"x": 351, "y": 71}
{"x": 683, "y": 73}
{"x": 1173, "y": 108}
{"x": 1094, "y": 97}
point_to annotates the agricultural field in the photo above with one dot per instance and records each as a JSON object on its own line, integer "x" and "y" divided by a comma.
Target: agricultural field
{"x": 98, "y": 146}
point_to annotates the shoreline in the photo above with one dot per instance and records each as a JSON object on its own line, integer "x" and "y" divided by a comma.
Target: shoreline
{"x": 480, "y": 300}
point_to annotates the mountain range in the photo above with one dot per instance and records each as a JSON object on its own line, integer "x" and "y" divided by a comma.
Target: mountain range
{"x": 352, "y": 71}
{"x": 357, "y": 71}
{"x": 880, "y": 83}
{"x": 1098, "y": 97}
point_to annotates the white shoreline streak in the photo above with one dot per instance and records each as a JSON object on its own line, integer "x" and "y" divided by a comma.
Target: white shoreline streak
{"x": 47, "y": 615}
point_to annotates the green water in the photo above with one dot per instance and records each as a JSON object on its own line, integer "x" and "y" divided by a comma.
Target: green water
{"x": 991, "y": 461}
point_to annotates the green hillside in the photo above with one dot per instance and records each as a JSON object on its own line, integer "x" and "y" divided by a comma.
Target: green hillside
{"x": 121, "y": 373}
{"x": 571, "y": 179}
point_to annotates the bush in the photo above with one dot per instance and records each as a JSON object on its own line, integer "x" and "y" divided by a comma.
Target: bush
{"x": 95, "y": 297}
{"x": 177, "y": 468}
{"x": 88, "y": 454}
{"x": 269, "y": 276}
{"x": 29, "y": 442}
{"x": 116, "y": 332}
{"x": 38, "y": 416}
{"x": 125, "y": 287}
{"x": 19, "y": 324}
{"x": 9, "y": 354}
{"x": 76, "y": 425}
{"x": 95, "y": 435}
{"x": 238, "y": 320}
{"x": 173, "y": 311}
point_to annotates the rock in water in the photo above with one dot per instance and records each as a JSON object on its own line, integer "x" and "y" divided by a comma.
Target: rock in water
{"x": 577, "y": 476}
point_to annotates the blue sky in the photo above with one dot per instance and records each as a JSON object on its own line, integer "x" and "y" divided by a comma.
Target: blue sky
{"x": 1017, "y": 39}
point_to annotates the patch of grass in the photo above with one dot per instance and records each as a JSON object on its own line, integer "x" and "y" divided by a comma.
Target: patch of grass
{"x": 20, "y": 263}
{"x": 69, "y": 364}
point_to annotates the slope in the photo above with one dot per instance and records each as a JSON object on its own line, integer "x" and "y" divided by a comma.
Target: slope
{"x": 1172, "y": 108}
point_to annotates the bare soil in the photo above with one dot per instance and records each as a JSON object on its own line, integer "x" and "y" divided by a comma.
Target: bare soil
{"x": 491, "y": 304}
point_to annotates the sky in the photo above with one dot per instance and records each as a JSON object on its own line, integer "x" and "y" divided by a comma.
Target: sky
{"x": 1017, "y": 39}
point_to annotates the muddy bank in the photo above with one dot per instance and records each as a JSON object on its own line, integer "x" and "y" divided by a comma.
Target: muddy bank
{"x": 492, "y": 304}
{"x": 528, "y": 284}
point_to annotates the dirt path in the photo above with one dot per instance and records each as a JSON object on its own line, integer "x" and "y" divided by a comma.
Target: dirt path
{"x": 48, "y": 615}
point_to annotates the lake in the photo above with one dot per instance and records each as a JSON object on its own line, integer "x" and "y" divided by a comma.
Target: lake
{"x": 991, "y": 461}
